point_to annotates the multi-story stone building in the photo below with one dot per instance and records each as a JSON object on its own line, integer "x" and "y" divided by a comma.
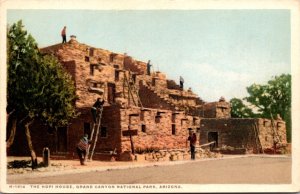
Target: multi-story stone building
{"x": 141, "y": 110}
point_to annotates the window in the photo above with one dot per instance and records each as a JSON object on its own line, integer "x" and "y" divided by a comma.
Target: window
{"x": 266, "y": 123}
{"x": 95, "y": 85}
{"x": 61, "y": 139}
{"x": 153, "y": 81}
{"x": 173, "y": 129}
{"x": 87, "y": 59}
{"x": 133, "y": 77}
{"x": 91, "y": 69}
{"x": 103, "y": 132}
{"x": 116, "y": 75}
{"x": 111, "y": 57}
{"x": 223, "y": 109}
{"x": 157, "y": 119}
{"x": 173, "y": 118}
{"x": 143, "y": 128}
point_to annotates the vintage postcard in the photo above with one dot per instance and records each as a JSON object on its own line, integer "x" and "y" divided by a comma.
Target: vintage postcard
{"x": 149, "y": 96}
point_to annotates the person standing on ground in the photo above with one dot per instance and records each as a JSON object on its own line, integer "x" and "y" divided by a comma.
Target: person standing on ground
{"x": 192, "y": 138}
{"x": 181, "y": 81}
{"x": 64, "y": 35}
{"x": 96, "y": 107}
{"x": 148, "y": 67}
{"x": 82, "y": 147}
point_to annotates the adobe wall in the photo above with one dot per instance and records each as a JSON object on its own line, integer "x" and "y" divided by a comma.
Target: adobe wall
{"x": 240, "y": 133}
{"x": 221, "y": 109}
{"x": 158, "y": 129}
{"x": 266, "y": 132}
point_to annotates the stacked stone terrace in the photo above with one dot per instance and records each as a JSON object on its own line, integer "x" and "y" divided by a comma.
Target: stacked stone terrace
{"x": 156, "y": 114}
{"x": 161, "y": 118}
{"x": 94, "y": 68}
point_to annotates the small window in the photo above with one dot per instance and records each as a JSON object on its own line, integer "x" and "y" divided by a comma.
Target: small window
{"x": 144, "y": 128}
{"x": 173, "y": 118}
{"x": 173, "y": 129}
{"x": 133, "y": 77}
{"x": 95, "y": 85}
{"x": 87, "y": 59}
{"x": 157, "y": 119}
{"x": 111, "y": 57}
{"x": 103, "y": 132}
{"x": 153, "y": 81}
{"x": 116, "y": 75}
{"x": 91, "y": 69}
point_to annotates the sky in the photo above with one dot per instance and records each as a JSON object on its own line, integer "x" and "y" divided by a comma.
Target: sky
{"x": 217, "y": 52}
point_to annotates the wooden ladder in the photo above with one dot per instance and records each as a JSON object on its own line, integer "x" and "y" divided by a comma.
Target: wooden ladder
{"x": 96, "y": 125}
{"x": 131, "y": 90}
{"x": 257, "y": 139}
{"x": 275, "y": 133}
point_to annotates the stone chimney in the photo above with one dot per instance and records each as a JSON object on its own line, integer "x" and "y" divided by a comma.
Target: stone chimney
{"x": 73, "y": 39}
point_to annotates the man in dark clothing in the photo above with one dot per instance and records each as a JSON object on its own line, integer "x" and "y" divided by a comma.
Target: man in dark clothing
{"x": 64, "y": 35}
{"x": 148, "y": 67}
{"x": 96, "y": 107}
{"x": 192, "y": 138}
{"x": 82, "y": 147}
{"x": 181, "y": 81}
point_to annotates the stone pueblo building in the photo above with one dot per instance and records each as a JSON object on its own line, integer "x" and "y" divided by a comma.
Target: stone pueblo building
{"x": 142, "y": 111}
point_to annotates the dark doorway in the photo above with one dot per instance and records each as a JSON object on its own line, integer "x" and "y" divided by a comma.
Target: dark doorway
{"x": 87, "y": 129}
{"x": 111, "y": 93}
{"x": 213, "y": 136}
{"x": 62, "y": 139}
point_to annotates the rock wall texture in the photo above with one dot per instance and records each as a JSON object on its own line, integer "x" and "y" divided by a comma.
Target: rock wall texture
{"x": 141, "y": 111}
{"x": 251, "y": 134}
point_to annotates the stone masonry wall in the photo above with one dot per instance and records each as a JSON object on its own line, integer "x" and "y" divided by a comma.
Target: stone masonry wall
{"x": 240, "y": 133}
{"x": 216, "y": 110}
{"x": 158, "y": 131}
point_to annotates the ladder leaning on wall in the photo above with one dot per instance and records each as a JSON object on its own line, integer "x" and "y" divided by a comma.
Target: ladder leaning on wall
{"x": 131, "y": 90}
{"x": 96, "y": 126}
{"x": 257, "y": 139}
{"x": 276, "y": 137}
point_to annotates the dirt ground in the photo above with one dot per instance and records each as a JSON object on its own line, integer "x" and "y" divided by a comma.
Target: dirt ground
{"x": 235, "y": 170}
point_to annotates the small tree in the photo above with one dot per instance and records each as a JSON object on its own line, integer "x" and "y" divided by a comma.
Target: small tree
{"x": 37, "y": 86}
{"x": 240, "y": 110}
{"x": 269, "y": 100}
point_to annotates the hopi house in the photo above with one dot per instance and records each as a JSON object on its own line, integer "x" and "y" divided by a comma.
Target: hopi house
{"x": 141, "y": 111}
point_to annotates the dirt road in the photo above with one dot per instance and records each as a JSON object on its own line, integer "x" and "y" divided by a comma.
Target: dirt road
{"x": 252, "y": 170}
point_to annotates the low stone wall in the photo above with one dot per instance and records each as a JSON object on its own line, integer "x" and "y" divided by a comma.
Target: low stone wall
{"x": 169, "y": 155}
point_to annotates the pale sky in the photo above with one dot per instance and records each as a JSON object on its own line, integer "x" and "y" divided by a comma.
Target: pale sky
{"x": 217, "y": 52}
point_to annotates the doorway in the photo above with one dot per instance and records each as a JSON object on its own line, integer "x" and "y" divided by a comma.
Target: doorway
{"x": 61, "y": 139}
{"x": 213, "y": 136}
{"x": 111, "y": 93}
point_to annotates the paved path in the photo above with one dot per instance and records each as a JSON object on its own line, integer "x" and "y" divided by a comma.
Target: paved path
{"x": 252, "y": 170}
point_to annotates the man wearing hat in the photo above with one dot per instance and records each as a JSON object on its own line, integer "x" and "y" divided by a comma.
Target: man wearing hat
{"x": 82, "y": 147}
{"x": 192, "y": 138}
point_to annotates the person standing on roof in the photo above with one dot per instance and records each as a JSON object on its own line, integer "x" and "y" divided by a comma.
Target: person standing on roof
{"x": 64, "y": 35}
{"x": 181, "y": 81}
{"x": 96, "y": 107}
{"x": 148, "y": 67}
